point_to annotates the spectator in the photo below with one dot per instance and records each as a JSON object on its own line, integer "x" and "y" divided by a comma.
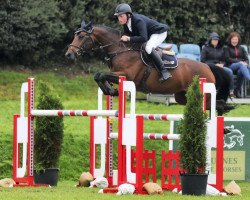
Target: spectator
{"x": 237, "y": 60}
{"x": 213, "y": 55}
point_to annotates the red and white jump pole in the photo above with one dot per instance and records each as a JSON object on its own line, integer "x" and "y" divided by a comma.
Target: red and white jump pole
{"x": 124, "y": 159}
{"x": 24, "y": 128}
{"x": 129, "y": 125}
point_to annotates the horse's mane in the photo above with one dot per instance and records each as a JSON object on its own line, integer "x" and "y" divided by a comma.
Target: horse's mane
{"x": 118, "y": 34}
{"x": 109, "y": 29}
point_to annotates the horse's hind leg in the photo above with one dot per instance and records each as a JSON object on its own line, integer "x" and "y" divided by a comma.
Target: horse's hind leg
{"x": 222, "y": 107}
{"x": 180, "y": 97}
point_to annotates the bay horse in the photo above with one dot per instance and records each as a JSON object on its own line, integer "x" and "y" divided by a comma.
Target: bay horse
{"x": 125, "y": 60}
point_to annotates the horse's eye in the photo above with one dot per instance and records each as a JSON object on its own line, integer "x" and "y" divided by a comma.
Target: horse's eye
{"x": 80, "y": 36}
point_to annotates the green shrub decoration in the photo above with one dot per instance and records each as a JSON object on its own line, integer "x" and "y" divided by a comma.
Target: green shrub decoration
{"x": 192, "y": 127}
{"x": 48, "y": 131}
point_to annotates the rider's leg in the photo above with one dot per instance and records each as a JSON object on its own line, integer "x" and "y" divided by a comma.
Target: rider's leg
{"x": 164, "y": 74}
{"x": 153, "y": 42}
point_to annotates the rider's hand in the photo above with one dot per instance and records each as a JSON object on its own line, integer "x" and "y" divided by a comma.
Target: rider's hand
{"x": 244, "y": 63}
{"x": 125, "y": 38}
{"x": 219, "y": 65}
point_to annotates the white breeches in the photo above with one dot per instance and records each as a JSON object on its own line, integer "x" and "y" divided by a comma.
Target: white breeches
{"x": 154, "y": 41}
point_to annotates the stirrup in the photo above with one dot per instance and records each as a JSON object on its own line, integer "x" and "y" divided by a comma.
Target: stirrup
{"x": 164, "y": 76}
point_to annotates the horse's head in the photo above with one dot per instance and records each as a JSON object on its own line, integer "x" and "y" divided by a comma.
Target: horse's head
{"x": 83, "y": 41}
{"x": 233, "y": 137}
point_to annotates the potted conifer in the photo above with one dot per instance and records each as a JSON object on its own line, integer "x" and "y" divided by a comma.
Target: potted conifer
{"x": 48, "y": 139}
{"x": 192, "y": 144}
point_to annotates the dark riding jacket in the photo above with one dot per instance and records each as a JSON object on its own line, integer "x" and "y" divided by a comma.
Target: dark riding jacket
{"x": 142, "y": 28}
{"x": 235, "y": 54}
{"x": 212, "y": 55}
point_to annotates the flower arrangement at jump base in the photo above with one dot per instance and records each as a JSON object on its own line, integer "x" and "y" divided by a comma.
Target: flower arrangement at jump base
{"x": 192, "y": 144}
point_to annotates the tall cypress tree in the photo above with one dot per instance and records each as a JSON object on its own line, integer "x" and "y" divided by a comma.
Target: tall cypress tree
{"x": 48, "y": 131}
{"x": 193, "y": 130}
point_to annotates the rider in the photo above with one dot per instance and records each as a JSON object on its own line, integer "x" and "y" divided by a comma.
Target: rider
{"x": 138, "y": 29}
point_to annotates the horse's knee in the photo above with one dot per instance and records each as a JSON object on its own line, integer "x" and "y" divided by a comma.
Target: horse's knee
{"x": 97, "y": 76}
{"x": 102, "y": 77}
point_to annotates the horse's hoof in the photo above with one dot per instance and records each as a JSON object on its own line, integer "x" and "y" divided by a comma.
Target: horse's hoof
{"x": 228, "y": 107}
{"x": 220, "y": 112}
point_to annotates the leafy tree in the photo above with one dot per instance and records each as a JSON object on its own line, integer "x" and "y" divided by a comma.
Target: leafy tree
{"x": 31, "y": 28}
{"x": 9, "y": 18}
{"x": 235, "y": 14}
{"x": 34, "y": 31}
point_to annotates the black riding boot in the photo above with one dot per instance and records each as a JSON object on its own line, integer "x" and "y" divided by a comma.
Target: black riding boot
{"x": 164, "y": 74}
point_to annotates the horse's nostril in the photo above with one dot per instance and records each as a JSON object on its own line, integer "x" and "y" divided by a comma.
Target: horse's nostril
{"x": 67, "y": 54}
{"x": 70, "y": 55}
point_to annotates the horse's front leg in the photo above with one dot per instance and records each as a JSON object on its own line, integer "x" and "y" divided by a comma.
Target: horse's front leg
{"x": 101, "y": 84}
{"x": 105, "y": 81}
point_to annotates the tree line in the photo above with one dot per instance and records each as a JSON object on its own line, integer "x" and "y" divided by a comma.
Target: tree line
{"x": 34, "y": 32}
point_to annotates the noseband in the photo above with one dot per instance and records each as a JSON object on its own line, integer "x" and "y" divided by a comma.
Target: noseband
{"x": 81, "y": 48}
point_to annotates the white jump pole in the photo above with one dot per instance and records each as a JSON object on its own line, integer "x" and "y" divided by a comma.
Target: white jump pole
{"x": 215, "y": 128}
{"x": 20, "y": 138}
{"x": 24, "y": 135}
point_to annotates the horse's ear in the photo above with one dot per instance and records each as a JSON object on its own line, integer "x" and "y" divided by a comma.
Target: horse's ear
{"x": 89, "y": 25}
{"x": 83, "y": 24}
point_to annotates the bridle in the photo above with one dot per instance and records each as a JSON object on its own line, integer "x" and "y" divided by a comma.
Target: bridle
{"x": 96, "y": 45}
{"x": 81, "y": 48}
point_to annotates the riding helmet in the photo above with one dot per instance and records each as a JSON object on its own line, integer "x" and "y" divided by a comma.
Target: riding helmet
{"x": 122, "y": 9}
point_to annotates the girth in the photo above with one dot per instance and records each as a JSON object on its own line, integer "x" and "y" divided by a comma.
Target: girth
{"x": 142, "y": 85}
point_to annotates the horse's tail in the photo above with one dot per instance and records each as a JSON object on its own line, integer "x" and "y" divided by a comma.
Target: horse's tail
{"x": 222, "y": 83}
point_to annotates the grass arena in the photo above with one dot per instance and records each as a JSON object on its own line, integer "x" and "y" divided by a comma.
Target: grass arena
{"x": 68, "y": 179}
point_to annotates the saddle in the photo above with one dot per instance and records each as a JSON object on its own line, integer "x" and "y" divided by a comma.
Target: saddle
{"x": 168, "y": 57}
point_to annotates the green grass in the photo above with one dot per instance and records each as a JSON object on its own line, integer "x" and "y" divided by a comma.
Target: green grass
{"x": 66, "y": 190}
{"x": 78, "y": 92}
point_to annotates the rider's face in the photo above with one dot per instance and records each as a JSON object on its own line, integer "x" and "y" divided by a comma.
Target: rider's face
{"x": 123, "y": 19}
